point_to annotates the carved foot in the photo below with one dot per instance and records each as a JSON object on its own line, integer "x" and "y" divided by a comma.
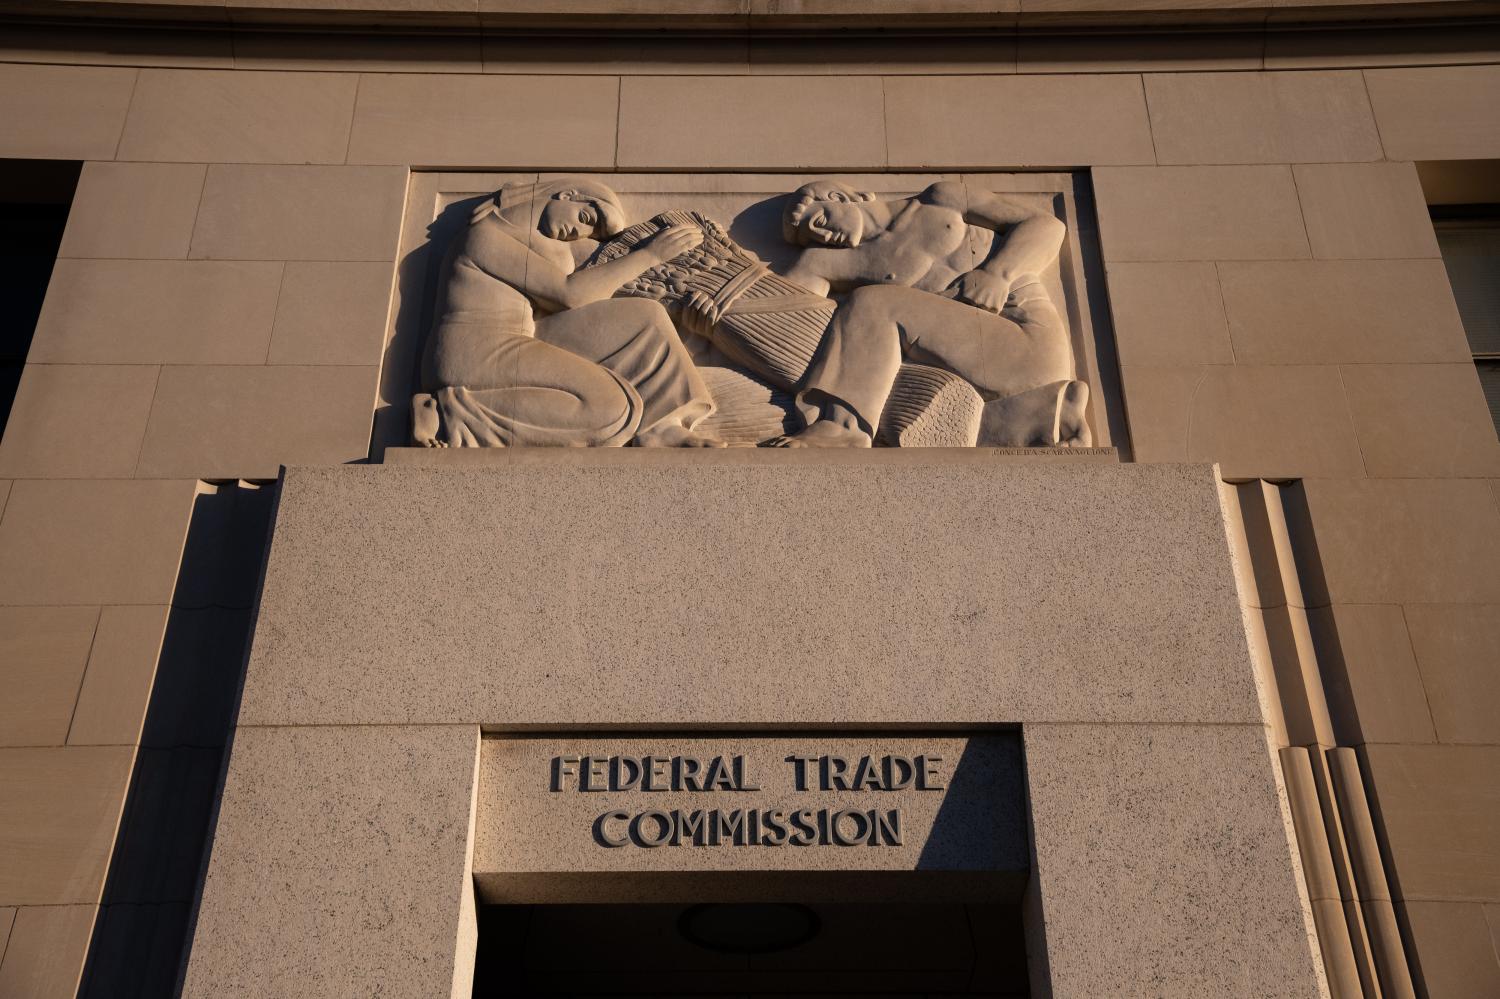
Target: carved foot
{"x": 1052, "y": 415}
{"x": 676, "y": 435}
{"x": 1072, "y": 419}
{"x": 425, "y": 422}
{"x": 827, "y": 433}
{"x": 450, "y": 417}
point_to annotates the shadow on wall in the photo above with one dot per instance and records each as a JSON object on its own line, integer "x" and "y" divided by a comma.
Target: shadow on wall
{"x": 141, "y": 935}
{"x": 401, "y": 367}
{"x": 982, "y": 822}
{"x": 35, "y": 197}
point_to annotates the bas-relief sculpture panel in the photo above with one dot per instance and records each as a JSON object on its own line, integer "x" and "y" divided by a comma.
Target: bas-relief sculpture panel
{"x": 792, "y": 312}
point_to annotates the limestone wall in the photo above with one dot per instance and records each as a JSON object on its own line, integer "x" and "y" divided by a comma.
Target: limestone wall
{"x": 220, "y": 308}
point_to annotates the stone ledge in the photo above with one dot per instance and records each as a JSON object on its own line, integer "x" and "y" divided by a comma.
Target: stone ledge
{"x": 493, "y": 457}
{"x": 758, "y": 15}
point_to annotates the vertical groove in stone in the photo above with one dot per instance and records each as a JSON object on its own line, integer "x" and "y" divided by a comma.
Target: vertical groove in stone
{"x": 1338, "y": 842}
{"x": 1369, "y": 872}
{"x": 1306, "y": 662}
{"x": 1322, "y": 883}
{"x": 1277, "y": 567}
{"x": 1232, "y": 503}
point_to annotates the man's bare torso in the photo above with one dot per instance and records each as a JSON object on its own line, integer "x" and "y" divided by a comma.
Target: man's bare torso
{"x": 925, "y": 246}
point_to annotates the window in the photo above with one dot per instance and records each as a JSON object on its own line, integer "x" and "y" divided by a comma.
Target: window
{"x": 1469, "y": 237}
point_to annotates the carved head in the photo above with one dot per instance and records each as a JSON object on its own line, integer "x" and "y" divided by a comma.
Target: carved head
{"x": 825, "y": 213}
{"x": 567, "y": 209}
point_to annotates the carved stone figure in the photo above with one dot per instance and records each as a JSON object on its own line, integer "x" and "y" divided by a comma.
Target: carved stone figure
{"x": 758, "y": 319}
{"x": 915, "y": 296}
{"x": 526, "y": 349}
{"x": 771, "y": 329}
{"x": 930, "y": 342}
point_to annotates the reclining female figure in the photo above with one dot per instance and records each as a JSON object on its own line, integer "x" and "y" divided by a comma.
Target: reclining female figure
{"x": 527, "y": 349}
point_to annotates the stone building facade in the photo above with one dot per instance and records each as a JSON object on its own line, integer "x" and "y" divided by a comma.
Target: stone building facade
{"x": 1168, "y": 667}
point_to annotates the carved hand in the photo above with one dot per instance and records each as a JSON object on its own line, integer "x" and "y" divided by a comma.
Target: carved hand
{"x": 983, "y": 289}
{"x": 673, "y": 242}
{"x": 699, "y": 314}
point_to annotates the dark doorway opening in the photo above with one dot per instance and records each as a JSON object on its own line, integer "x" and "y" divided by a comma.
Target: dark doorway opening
{"x": 751, "y": 950}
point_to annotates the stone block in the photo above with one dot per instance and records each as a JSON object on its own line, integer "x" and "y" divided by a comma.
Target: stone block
{"x": 245, "y": 422}
{"x": 963, "y": 631}
{"x": 1111, "y": 12}
{"x": 1281, "y": 421}
{"x": 695, "y": 14}
{"x": 1341, "y": 312}
{"x": 1169, "y": 313}
{"x": 1158, "y": 814}
{"x": 824, "y": 12}
{"x": 117, "y": 685}
{"x": 99, "y": 542}
{"x": 238, "y": 116}
{"x": 45, "y": 955}
{"x": 1372, "y": 681}
{"x": 82, "y": 45}
{"x": 136, "y": 210}
{"x": 158, "y": 312}
{"x": 844, "y": 55}
{"x": 1403, "y": 541}
{"x": 382, "y": 14}
{"x": 58, "y": 825}
{"x": 1437, "y": 112}
{"x": 1457, "y": 647}
{"x": 63, "y": 112}
{"x": 357, "y": 53}
{"x": 1366, "y": 47}
{"x": 331, "y": 313}
{"x": 321, "y": 828}
{"x": 615, "y": 54}
{"x": 477, "y": 121}
{"x": 1421, "y": 420}
{"x": 300, "y": 213}
{"x": 112, "y": 401}
{"x": 539, "y": 832}
{"x": 1159, "y": 408}
{"x": 1021, "y": 121}
{"x": 1261, "y": 117}
{"x": 1455, "y": 949}
{"x": 1365, "y": 210}
{"x": 763, "y": 122}
{"x": 1199, "y": 213}
{"x": 43, "y": 650}
{"x": 1439, "y": 807}
{"x": 1137, "y": 53}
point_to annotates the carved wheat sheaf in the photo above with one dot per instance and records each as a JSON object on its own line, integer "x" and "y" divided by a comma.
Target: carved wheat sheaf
{"x": 766, "y": 323}
{"x": 750, "y": 410}
{"x": 930, "y": 407}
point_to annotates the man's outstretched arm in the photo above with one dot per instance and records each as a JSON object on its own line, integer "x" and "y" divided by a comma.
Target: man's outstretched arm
{"x": 1027, "y": 241}
{"x": 821, "y": 269}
